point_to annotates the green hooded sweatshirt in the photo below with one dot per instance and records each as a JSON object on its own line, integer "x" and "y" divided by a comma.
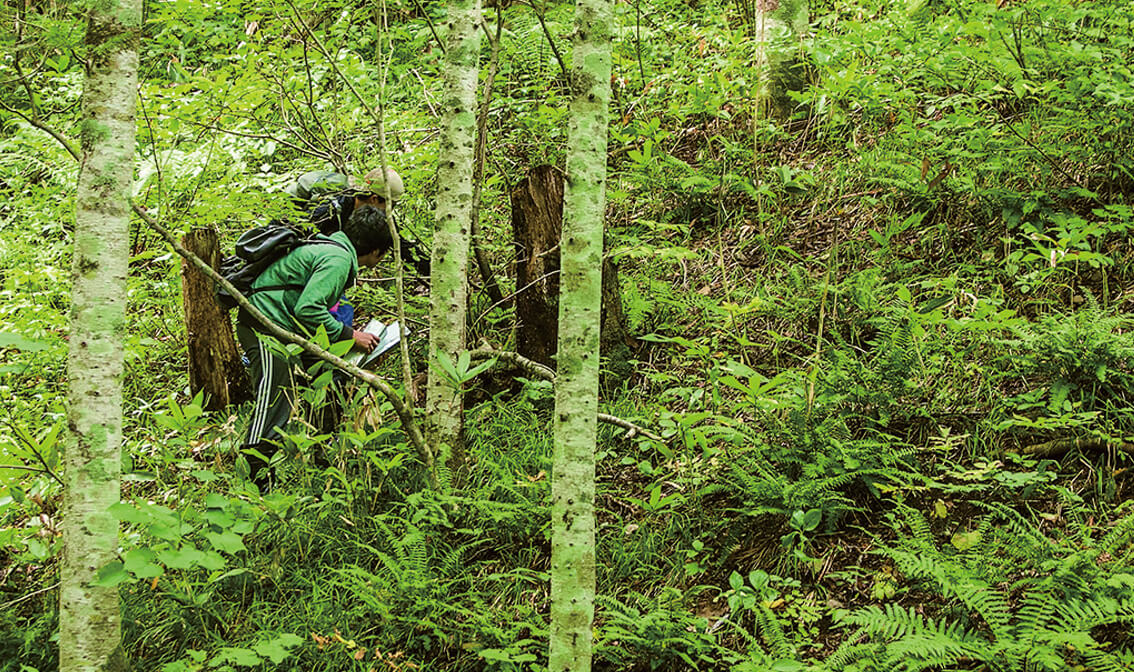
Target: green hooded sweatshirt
{"x": 319, "y": 274}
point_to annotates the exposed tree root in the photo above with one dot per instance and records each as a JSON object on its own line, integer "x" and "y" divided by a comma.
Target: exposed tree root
{"x": 1061, "y": 446}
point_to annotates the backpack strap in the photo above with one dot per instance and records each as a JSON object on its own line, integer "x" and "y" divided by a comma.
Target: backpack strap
{"x": 276, "y": 288}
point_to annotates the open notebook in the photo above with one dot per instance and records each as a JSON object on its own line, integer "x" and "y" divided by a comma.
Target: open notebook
{"x": 388, "y": 336}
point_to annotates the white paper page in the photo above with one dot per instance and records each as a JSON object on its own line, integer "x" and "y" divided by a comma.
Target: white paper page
{"x": 388, "y": 336}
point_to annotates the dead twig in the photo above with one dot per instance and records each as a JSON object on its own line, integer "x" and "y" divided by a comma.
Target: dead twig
{"x": 534, "y": 368}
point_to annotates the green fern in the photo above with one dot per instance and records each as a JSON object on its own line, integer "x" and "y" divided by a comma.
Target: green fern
{"x": 528, "y": 55}
{"x": 1042, "y": 622}
{"x": 1119, "y": 535}
{"x": 769, "y": 625}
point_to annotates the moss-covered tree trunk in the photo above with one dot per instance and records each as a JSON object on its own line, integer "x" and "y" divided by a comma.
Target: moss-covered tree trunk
{"x": 443, "y": 402}
{"x": 576, "y": 389}
{"x": 89, "y": 618}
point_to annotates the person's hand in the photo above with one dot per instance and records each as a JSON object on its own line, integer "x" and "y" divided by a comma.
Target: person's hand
{"x": 365, "y": 341}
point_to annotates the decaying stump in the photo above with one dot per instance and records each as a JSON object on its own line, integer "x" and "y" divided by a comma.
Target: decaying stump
{"x": 214, "y": 359}
{"x": 537, "y": 221}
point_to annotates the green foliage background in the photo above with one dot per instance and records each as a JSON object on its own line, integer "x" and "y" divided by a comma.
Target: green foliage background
{"x": 887, "y": 341}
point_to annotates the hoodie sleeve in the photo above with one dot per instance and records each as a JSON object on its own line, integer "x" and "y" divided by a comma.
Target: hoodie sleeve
{"x": 328, "y": 279}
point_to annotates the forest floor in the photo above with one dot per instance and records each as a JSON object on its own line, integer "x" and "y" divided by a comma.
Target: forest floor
{"x": 887, "y": 345}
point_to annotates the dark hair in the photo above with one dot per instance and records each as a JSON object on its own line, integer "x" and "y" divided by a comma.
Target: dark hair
{"x": 368, "y": 231}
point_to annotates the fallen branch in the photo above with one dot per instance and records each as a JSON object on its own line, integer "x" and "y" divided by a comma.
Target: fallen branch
{"x": 538, "y": 370}
{"x": 1060, "y": 446}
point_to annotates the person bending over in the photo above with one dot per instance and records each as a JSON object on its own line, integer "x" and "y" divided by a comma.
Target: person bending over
{"x": 299, "y": 291}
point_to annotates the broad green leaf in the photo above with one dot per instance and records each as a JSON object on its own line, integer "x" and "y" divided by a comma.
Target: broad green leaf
{"x": 185, "y": 558}
{"x": 13, "y": 341}
{"x": 963, "y": 541}
{"x": 128, "y": 513}
{"x": 219, "y": 518}
{"x": 276, "y": 649}
{"x": 111, "y": 575}
{"x": 236, "y": 656}
{"x": 811, "y": 519}
{"x": 226, "y": 541}
{"x": 141, "y": 563}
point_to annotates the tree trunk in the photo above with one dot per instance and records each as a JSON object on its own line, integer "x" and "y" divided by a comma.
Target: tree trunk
{"x": 777, "y": 26}
{"x": 580, "y": 308}
{"x": 90, "y": 630}
{"x": 537, "y": 220}
{"x": 614, "y": 340}
{"x": 214, "y": 361}
{"x": 449, "y": 294}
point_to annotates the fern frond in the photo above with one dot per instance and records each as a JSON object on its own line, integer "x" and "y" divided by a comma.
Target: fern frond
{"x": 1022, "y": 528}
{"x": 964, "y": 586}
{"x": 1119, "y": 535}
{"x": 1036, "y": 611}
{"x": 770, "y": 627}
{"x": 850, "y": 652}
{"x": 929, "y": 650}
{"x": 890, "y": 622}
{"x": 922, "y": 533}
{"x": 451, "y": 563}
{"x": 1103, "y": 661}
{"x": 1085, "y": 615}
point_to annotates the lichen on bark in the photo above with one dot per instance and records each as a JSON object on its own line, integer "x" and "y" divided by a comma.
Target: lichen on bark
{"x": 443, "y": 402}
{"x": 89, "y": 621}
{"x": 576, "y": 393}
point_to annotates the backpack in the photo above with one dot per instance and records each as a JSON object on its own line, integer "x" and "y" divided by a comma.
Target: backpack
{"x": 256, "y": 250}
{"x": 317, "y": 185}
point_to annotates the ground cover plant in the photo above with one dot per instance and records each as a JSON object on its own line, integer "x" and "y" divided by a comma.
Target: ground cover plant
{"x": 881, "y": 344}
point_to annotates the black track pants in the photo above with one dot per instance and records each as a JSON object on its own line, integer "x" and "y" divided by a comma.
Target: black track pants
{"x": 271, "y": 376}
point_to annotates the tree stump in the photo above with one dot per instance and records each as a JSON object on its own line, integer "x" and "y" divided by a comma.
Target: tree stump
{"x": 214, "y": 359}
{"x": 537, "y": 222}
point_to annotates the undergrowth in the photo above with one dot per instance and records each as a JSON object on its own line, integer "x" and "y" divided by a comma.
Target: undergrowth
{"x": 885, "y": 341}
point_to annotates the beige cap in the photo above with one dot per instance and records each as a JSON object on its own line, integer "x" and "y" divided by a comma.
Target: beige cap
{"x": 374, "y": 183}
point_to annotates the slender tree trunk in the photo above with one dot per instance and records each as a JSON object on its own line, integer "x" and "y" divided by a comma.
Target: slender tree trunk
{"x": 214, "y": 362}
{"x": 449, "y": 294}
{"x": 777, "y": 26}
{"x": 89, "y": 621}
{"x": 576, "y": 391}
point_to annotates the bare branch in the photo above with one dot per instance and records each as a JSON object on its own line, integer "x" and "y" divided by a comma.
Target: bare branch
{"x": 550, "y": 40}
{"x": 45, "y": 128}
{"x": 534, "y": 368}
{"x": 432, "y": 28}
